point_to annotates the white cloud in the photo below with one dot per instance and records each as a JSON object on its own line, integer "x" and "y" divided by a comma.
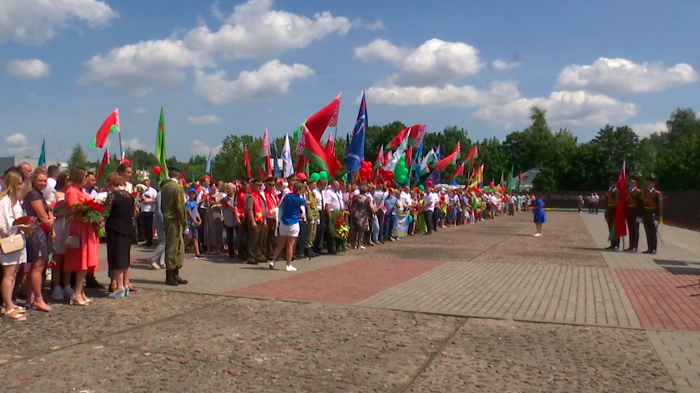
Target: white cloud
{"x": 255, "y": 30}
{"x": 569, "y": 108}
{"x": 504, "y": 65}
{"x": 142, "y": 66}
{"x": 133, "y": 144}
{"x": 625, "y": 76}
{"x": 450, "y": 95}
{"x": 28, "y": 69}
{"x": 375, "y": 26}
{"x": 200, "y": 148}
{"x": 36, "y": 21}
{"x": 646, "y": 129}
{"x": 435, "y": 61}
{"x": 271, "y": 80}
{"x": 140, "y": 111}
{"x": 203, "y": 120}
{"x": 16, "y": 139}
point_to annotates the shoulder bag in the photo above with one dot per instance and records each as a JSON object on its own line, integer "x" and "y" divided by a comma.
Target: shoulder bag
{"x": 12, "y": 243}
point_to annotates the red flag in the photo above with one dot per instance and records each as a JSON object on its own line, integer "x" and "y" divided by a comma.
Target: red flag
{"x": 458, "y": 172}
{"x": 105, "y": 161}
{"x": 387, "y": 158}
{"x": 407, "y": 157}
{"x": 319, "y": 157}
{"x": 246, "y": 160}
{"x": 619, "y": 226}
{"x": 451, "y": 159}
{"x": 380, "y": 158}
{"x": 330, "y": 146}
{"x": 415, "y": 136}
{"x": 472, "y": 155}
{"x": 110, "y": 125}
{"x": 396, "y": 141}
{"x": 267, "y": 164}
{"x": 325, "y": 117}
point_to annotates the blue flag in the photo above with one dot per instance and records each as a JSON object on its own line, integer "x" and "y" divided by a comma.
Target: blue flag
{"x": 275, "y": 164}
{"x": 207, "y": 168}
{"x": 355, "y": 152}
{"x": 417, "y": 161}
{"x": 42, "y": 157}
{"x": 438, "y": 153}
{"x": 434, "y": 176}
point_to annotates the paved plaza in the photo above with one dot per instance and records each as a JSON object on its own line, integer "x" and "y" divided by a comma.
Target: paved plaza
{"x": 477, "y": 308}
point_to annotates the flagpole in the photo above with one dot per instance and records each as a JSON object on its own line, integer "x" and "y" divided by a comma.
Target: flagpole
{"x": 119, "y": 133}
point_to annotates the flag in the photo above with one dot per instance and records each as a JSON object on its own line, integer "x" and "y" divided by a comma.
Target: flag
{"x": 380, "y": 158}
{"x": 42, "y": 157}
{"x": 434, "y": 177}
{"x": 355, "y": 152}
{"x": 502, "y": 183}
{"x": 317, "y": 155}
{"x": 265, "y": 147}
{"x": 520, "y": 176}
{"x": 430, "y": 158}
{"x": 510, "y": 186}
{"x": 415, "y": 136}
{"x": 398, "y": 138}
{"x": 123, "y": 158}
{"x": 246, "y": 160}
{"x": 207, "y": 168}
{"x": 287, "y": 164}
{"x": 103, "y": 163}
{"x": 451, "y": 159}
{"x": 387, "y": 157}
{"x": 472, "y": 155}
{"x": 275, "y": 163}
{"x": 408, "y": 157}
{"x": 324, "y": 118}
{"x": 416, "y": 167}
{"x": 330, "y": 146}
{"x": 160, "y": 147}
{"x": 477, "y": 179}
{"x": 109, "y": 126}
{"x": 618, "y": 228}
{"x": 458, "y": 172}
{"x": 438, "y": 153}
{"x": 424, "y": 167}
{"x": 394, "y": 159}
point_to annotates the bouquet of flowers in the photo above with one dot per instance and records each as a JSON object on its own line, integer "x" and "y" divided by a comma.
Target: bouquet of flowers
{"x": 30, "y": 222}
{"x": 91, "y": 212}
{"x": 341, "y": 230}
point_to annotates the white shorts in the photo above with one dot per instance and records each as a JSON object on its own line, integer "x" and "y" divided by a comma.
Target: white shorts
{"x": 289, "y": 230}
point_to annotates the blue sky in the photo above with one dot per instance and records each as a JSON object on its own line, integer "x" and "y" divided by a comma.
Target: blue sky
{"x": 221, "y": 70}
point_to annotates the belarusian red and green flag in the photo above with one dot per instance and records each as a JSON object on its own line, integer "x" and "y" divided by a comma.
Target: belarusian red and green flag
{"x": 103, "y": 163}
{"x": 318, "y": 156}
{"x": 380, "y": 159}
{"x": 109, "y": 126}
{"x": 415, "y": 136}
{"x": 451, "y": 159}
{"x": 618, "y": 228}
{"x": 160, "y": 147}
{"x": 458, "y": 172}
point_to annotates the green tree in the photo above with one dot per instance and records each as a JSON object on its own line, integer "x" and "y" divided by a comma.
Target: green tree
{"x": 679, "y": 152}
{"x": 78, "y": 158}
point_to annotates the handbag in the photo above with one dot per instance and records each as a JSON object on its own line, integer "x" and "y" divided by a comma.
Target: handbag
{"x": 73, "y": 242}
{"x": 12, "y": 243}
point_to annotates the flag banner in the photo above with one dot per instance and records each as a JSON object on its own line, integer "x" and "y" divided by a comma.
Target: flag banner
{"x": 42, "y": 157}
{"x": 451, "y": 159}
{"x": 355, "y": 152}
{"x": 434, "y": 177}
{"x": 109, "y": 126}
{"x": 619, "y": 225}
{"x": 458, "y": 172}
{"x": 275, "y": 162}
{"x": 477, "y": 179}
{"x": 266, "y": 163}
{"x": 400, "y": 229}
{"x": 330, "y": 146}
{"x": 511, "y": 183}
{"x": 103, "y": 163}
{"x": 287, "y": 165}
{"x": 398, "y": 153}
{"x": 325, "y": 117}
{"x": 380, "y": 159}
{"x": 415, "y": 136}
{"x": 246, "y": 160}
{"x": 317, "y": 155}
{"x": 472, "y": 155}
{"x": 160, "y": 146}
{"x": 207, "y": 168}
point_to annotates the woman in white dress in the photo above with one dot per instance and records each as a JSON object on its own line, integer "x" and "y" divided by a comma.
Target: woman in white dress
{"x": 10, "y": 210}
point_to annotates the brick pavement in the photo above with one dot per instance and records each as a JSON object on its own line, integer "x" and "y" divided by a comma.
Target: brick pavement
{"x": 680, "y": 354}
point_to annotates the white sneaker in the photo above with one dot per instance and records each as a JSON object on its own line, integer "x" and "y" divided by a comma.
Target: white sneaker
{"x": 272, "y": 265}
{"x": 538, "y": 234}
{"x": 68, "y": 291}
{"x": 57, "y": 294}
{"x": 291, "y": 268}
{"x": 363, "y": 248}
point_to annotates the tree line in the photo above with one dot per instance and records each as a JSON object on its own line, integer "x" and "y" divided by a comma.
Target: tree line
{"x": 565, "y": 164}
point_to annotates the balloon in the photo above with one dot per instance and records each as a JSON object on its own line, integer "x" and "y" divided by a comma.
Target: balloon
{"x": 324, "y": 175}
{"x": 421, "y": 187}
{"x": 315, "y": 176}
{"x": 156, "y": 170}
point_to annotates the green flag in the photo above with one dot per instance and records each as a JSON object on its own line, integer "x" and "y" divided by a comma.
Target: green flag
{"x": 510, "y": 187}
{"x": 160, "y": 147}
{"x": 42, "y": 157}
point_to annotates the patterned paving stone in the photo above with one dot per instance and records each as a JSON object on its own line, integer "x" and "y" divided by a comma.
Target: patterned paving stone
{"x": 345, "y": 283}
{"x": 506, "y": 356}
{"x": 680, "y": 354}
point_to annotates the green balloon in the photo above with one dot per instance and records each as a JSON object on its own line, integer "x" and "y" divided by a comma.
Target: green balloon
{"x": 315, "y": 176}
{"x": 420, "y": 187}
{"x": 323, "y": 175}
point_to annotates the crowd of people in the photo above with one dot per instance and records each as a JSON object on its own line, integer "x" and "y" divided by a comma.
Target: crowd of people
{"x": 254, "y": 220}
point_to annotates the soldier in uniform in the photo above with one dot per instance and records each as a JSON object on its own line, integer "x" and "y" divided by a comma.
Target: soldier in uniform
{"x": 313, "y": 216}
{"x": 611, "y": 199}
{"x": 174, "y": 221}
{"x": 633, "y": 212}
{"x": 255, "y": 208}
{"x": 652, "y": 213}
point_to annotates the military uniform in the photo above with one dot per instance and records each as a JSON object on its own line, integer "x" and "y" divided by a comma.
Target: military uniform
{"x": 633, "y": 211}
{"x": 174, "y": 222}
{"x": 255, "y": 203}
{"x": 611, "y": 199}
{"x": 313, "y": 217}
{"x": 651, "y": 217}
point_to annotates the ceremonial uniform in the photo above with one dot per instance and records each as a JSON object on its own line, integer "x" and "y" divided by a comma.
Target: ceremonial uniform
{"x": 255, "y": 203}
{"x": 633, "y": 212}
{"x": 241, "y": 230}
{"x": 313, "y": 218}
{"x": 611, "y": 199}
{"x": 651, "y": 217}
{"x": 174, "y": 221}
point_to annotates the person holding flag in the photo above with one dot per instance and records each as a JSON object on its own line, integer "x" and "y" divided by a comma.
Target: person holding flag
{"x": 612, "y": 197}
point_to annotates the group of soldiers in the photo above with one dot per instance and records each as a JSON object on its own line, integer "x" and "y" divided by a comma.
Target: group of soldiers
{"x": 642, "y": 206}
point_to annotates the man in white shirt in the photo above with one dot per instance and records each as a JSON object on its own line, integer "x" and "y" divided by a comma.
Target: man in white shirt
{"x": 333, "y": 198}
{"x": 50, "y": 190}
{"x": 405, "y": 197}
{"x": 429, "y": 203}
{"x": 380, "y": 197}
{"x": 148, "y": 202}
{"x": 203, "y": 208}
{"x": 320, "y": 205}
{"x": 89, "y": 186}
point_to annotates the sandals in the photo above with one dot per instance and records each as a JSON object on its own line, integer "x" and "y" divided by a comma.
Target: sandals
{"x": 16, "y": 315}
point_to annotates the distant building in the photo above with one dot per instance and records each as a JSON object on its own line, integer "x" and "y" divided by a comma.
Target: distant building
{"x": 7, "y": 162}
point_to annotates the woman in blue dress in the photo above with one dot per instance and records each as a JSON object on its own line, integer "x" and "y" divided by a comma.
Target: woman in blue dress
{"x": 540, "y": 217}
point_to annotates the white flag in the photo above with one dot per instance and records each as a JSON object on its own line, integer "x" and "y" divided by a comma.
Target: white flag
{"x": 398, "y": 153}
{"x": 287, "y": 157}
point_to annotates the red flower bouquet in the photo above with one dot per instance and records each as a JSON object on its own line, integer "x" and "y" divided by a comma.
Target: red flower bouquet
{"x": 91, "y": 212}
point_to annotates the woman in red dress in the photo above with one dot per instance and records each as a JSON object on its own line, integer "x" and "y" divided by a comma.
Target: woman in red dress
{"x": 82, "y": 259}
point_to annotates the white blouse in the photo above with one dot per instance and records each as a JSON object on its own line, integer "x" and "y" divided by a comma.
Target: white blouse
{"x": 8, "y": 214}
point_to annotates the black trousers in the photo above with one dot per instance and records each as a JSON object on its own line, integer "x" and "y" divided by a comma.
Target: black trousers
{"x": 231, "y": 240}
{"x": 242, "y": 239}
{"x": 320, "y": 233}
{"x": 147, "y": 225}
{"x": 650, "y": 230}
{"x": 300, "y": 246}
{"x": 380, "y": 217}
{"x": 610, "y": 218}
{"x": 329, "y": 239}
{"x": 201, "y": 233}
{"x": 633, "y": 229}
{"x": 429, "y": 220}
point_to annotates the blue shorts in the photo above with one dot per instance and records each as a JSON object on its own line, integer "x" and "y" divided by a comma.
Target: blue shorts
{"x": 193, "y": 231}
